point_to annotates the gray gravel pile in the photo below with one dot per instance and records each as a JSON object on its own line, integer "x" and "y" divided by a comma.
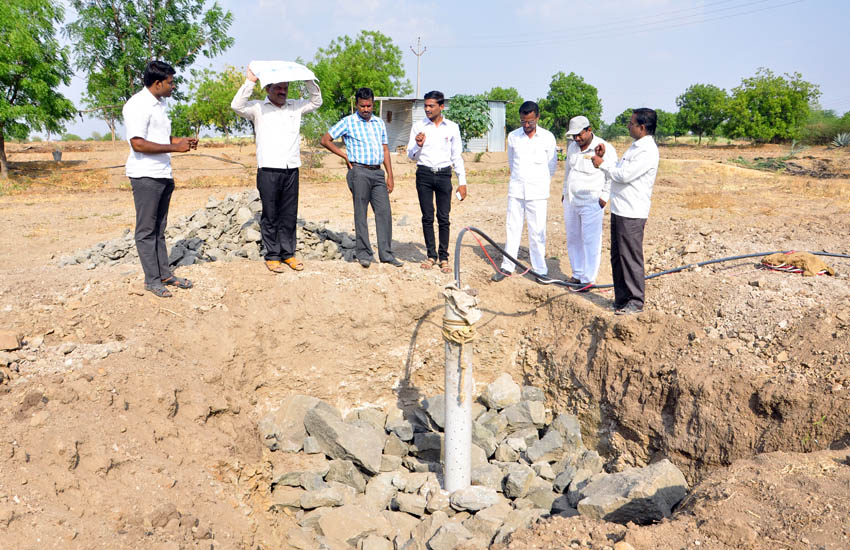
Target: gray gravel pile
{"x": 379, "y": 480}
{"x": 225, "y": 230}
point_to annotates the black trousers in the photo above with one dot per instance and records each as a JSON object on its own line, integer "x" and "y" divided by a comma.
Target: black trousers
{"x": 431, "y": 186}
{"x": 627, "y": 260}
{"x": 370, "y": 187}
{"x": 278, "y": 189}
{"x": 152, "y": 197}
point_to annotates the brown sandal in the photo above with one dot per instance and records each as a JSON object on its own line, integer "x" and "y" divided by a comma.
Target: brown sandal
{"x": 428, "y": 263}
{"x": 444, "y": 266}
{"x": 294, "y": 263}
{"x": 274, "y": 266}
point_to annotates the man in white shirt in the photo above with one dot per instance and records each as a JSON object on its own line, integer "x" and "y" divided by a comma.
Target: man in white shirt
{"x": 632, "y": 179}
{"x": 149, "y": 169}
{"x": 436, "y": 146}
{"x": 532, "y": 157}
{"x": 586, "y": 192}
{"x": 277, "y": 125}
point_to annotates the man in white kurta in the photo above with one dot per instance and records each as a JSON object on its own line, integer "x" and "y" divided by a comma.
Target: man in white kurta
{"x": 586, "y": 192}
{"x": 532, "y": 157}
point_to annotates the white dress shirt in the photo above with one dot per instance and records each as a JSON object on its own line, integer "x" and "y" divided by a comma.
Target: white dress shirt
{"x": 632, "y": 178}
{"x": 278, "y": 129}
{"x": 532, "y": 162}
{"x": 443, "y": 146}
{"x": 145, "y": 117}
{"x": 584, "y": 183}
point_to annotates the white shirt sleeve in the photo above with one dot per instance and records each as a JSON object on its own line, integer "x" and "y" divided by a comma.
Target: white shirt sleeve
{"x": 457, "y": 158}
{"x": 136, "y": 122}
{"x": 610, "y": 155}
{"x": 553, "y": 157}
{"x": 315, "y": 100}
{"x": 413, "y": 150}
{"x": 240, "y": 102}
{"x": 628, "y": 170}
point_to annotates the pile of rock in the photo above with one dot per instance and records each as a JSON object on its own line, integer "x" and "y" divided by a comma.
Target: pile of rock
{"x": 378, "y": 483}
{"x": 223, "y": 230}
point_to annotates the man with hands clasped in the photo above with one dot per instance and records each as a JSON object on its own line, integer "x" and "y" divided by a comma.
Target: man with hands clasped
{"x": 149, "y": 169}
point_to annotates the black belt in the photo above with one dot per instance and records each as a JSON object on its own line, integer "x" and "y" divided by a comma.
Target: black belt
{"x": 367, "y": 166}
{"x": 443, "y": 170}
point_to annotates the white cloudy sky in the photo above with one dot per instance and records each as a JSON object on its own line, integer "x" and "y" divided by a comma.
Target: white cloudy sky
{"x": 635, "y": 52}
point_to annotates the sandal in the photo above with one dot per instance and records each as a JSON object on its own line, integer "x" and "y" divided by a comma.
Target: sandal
{"x": 444, "y": 266}
{"x": 179, "y": 282}
{"x": 428, "y": 263}
{"x": 294, "y": 263}
{"x": 274, "y": 266}
{"x": 159, "y": 291}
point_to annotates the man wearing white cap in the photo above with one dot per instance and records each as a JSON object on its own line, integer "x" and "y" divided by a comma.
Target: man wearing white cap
{"x": 586, "y": 192}
{"x": 532, "y": 158}
{"x": 277, "y": 125}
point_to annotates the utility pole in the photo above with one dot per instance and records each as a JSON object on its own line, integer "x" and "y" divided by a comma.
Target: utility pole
{"x": 418, "y": 52}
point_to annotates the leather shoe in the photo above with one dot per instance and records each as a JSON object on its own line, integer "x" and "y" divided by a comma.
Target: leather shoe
{"x": 628, "y": 309}
{"x": 497, "y": 276}
{"x": 574, "y": 281}
{"x": 395, "y": 262}
{"x": 365, "y": 263}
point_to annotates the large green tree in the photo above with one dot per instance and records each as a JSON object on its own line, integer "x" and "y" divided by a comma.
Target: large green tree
{"x": 370, "y": 60}
{"x": 32, "y": 66}
{"x": 667, "y": 125}
{"x": 472, "y": 115}
{"x": 569, "y": 96}
{"x": 702, "y": 109}
{"x": 514, "y": 100}
{"x": 769, "y": 108}
{"x": 113, "y": 41}
{"x": 210, "y": 93}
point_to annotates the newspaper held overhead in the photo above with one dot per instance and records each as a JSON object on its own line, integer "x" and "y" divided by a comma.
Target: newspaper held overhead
{"x": 271, "y": 72}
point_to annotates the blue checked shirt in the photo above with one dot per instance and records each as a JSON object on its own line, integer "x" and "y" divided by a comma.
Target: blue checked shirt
{"x": 364, "y": 140}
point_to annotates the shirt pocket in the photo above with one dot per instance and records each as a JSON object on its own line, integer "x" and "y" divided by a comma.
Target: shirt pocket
{"x": 584, "y": 164}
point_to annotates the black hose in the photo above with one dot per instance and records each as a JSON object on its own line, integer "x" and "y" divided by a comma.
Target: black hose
{"x": 543, "y": 279}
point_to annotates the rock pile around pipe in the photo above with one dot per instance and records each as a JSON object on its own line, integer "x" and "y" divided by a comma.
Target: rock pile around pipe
{"x": 225, "y": 230}
{"x": 378, "y": 483}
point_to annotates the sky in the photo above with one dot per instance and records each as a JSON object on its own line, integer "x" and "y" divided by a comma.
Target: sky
{"x": 637, "y": 53}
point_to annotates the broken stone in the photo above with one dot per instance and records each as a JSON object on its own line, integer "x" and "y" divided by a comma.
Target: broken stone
{"x": 501, "y": 393}
{"x": 474, "y": 498}
{"x": 533, "y": 393}
{"x": 350, "y": 523}
{"x": 569, "y": 428}
{"x": 487, "y": 475}
{"x": 547, "y": 449}
{"x": 345, "y": 472}
{"x": 374, "y": 542}
{"x": 330, "y": 496}
{"x": 410, "y": 504}
{"x": 344, "y": 441}
{"x": 398, "y": 425}
{"x": 9, "y": 341}
{"x": 379, "y": 492}
{"x": 639, "y": 495}
{"x": 284, "y": 429}
{"x": 518, "y": 478}
{"x": 525, "y": 414}
{"x": 449, "y": 537}
{"x": 581, "y": 479}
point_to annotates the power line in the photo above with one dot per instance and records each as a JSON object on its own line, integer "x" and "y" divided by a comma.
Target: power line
{"x": 418, "y": 52}
{"x": 629, "y": 28}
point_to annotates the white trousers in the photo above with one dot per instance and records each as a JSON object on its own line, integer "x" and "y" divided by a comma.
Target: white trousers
{"x": 534, "y": 211}
{"x": 583, "y": 225}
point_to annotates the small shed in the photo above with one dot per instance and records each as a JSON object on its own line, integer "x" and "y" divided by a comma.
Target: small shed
{"x": 399, "y": 114}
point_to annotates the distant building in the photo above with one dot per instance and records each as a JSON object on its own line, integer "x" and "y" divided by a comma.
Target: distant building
{"x": 399, "y": 114}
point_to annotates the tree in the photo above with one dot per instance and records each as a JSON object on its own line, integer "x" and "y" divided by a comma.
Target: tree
{"x": 569, "y": 96}
{"x": 702, "y": 109}
{"x": 667, "y": 125}
{"x": 32, "y": 66}
{"x": 184, "y": 121}
{"x": 211, "y": 94}
{"x": 114, "y": 41}
{"x": 472, "y": 115}
{"x": 514, "y": 100}
{"x": 770, "y": 108}
{"x": 371, "y": 60}
{"x": 619, "y": 127}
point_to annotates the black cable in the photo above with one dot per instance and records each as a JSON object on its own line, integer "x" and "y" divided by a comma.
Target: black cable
{"x": 544, "y": 280}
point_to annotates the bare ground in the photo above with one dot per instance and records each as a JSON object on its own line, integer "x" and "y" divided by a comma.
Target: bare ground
{"x": 145, "y": 433}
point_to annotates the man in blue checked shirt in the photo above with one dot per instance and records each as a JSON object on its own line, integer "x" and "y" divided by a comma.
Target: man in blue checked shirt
{"x": 366, "y": 149}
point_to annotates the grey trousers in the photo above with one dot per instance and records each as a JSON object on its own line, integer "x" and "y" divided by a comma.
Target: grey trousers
{"x": 152, "y": 197}
{"x": 627, "y": 260}
{"x": 369, "y": 187}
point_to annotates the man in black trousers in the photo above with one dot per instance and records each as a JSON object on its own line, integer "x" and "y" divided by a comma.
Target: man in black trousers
{"x": 436, "y": 146}
{"x": 149, "y": 169}
{"x": 277, "y": 124}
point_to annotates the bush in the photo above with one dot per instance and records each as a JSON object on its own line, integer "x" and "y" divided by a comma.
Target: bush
{"x": 823, "y": 125}
{"x": 71, "y": 137}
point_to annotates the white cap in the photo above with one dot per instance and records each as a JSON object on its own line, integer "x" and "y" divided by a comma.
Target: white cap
{"x": 272, "y": 72}
{"x": 577, "y": 124}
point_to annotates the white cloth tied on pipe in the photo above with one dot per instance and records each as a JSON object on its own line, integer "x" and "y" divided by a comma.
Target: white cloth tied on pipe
{"x": 272, "y": 72}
